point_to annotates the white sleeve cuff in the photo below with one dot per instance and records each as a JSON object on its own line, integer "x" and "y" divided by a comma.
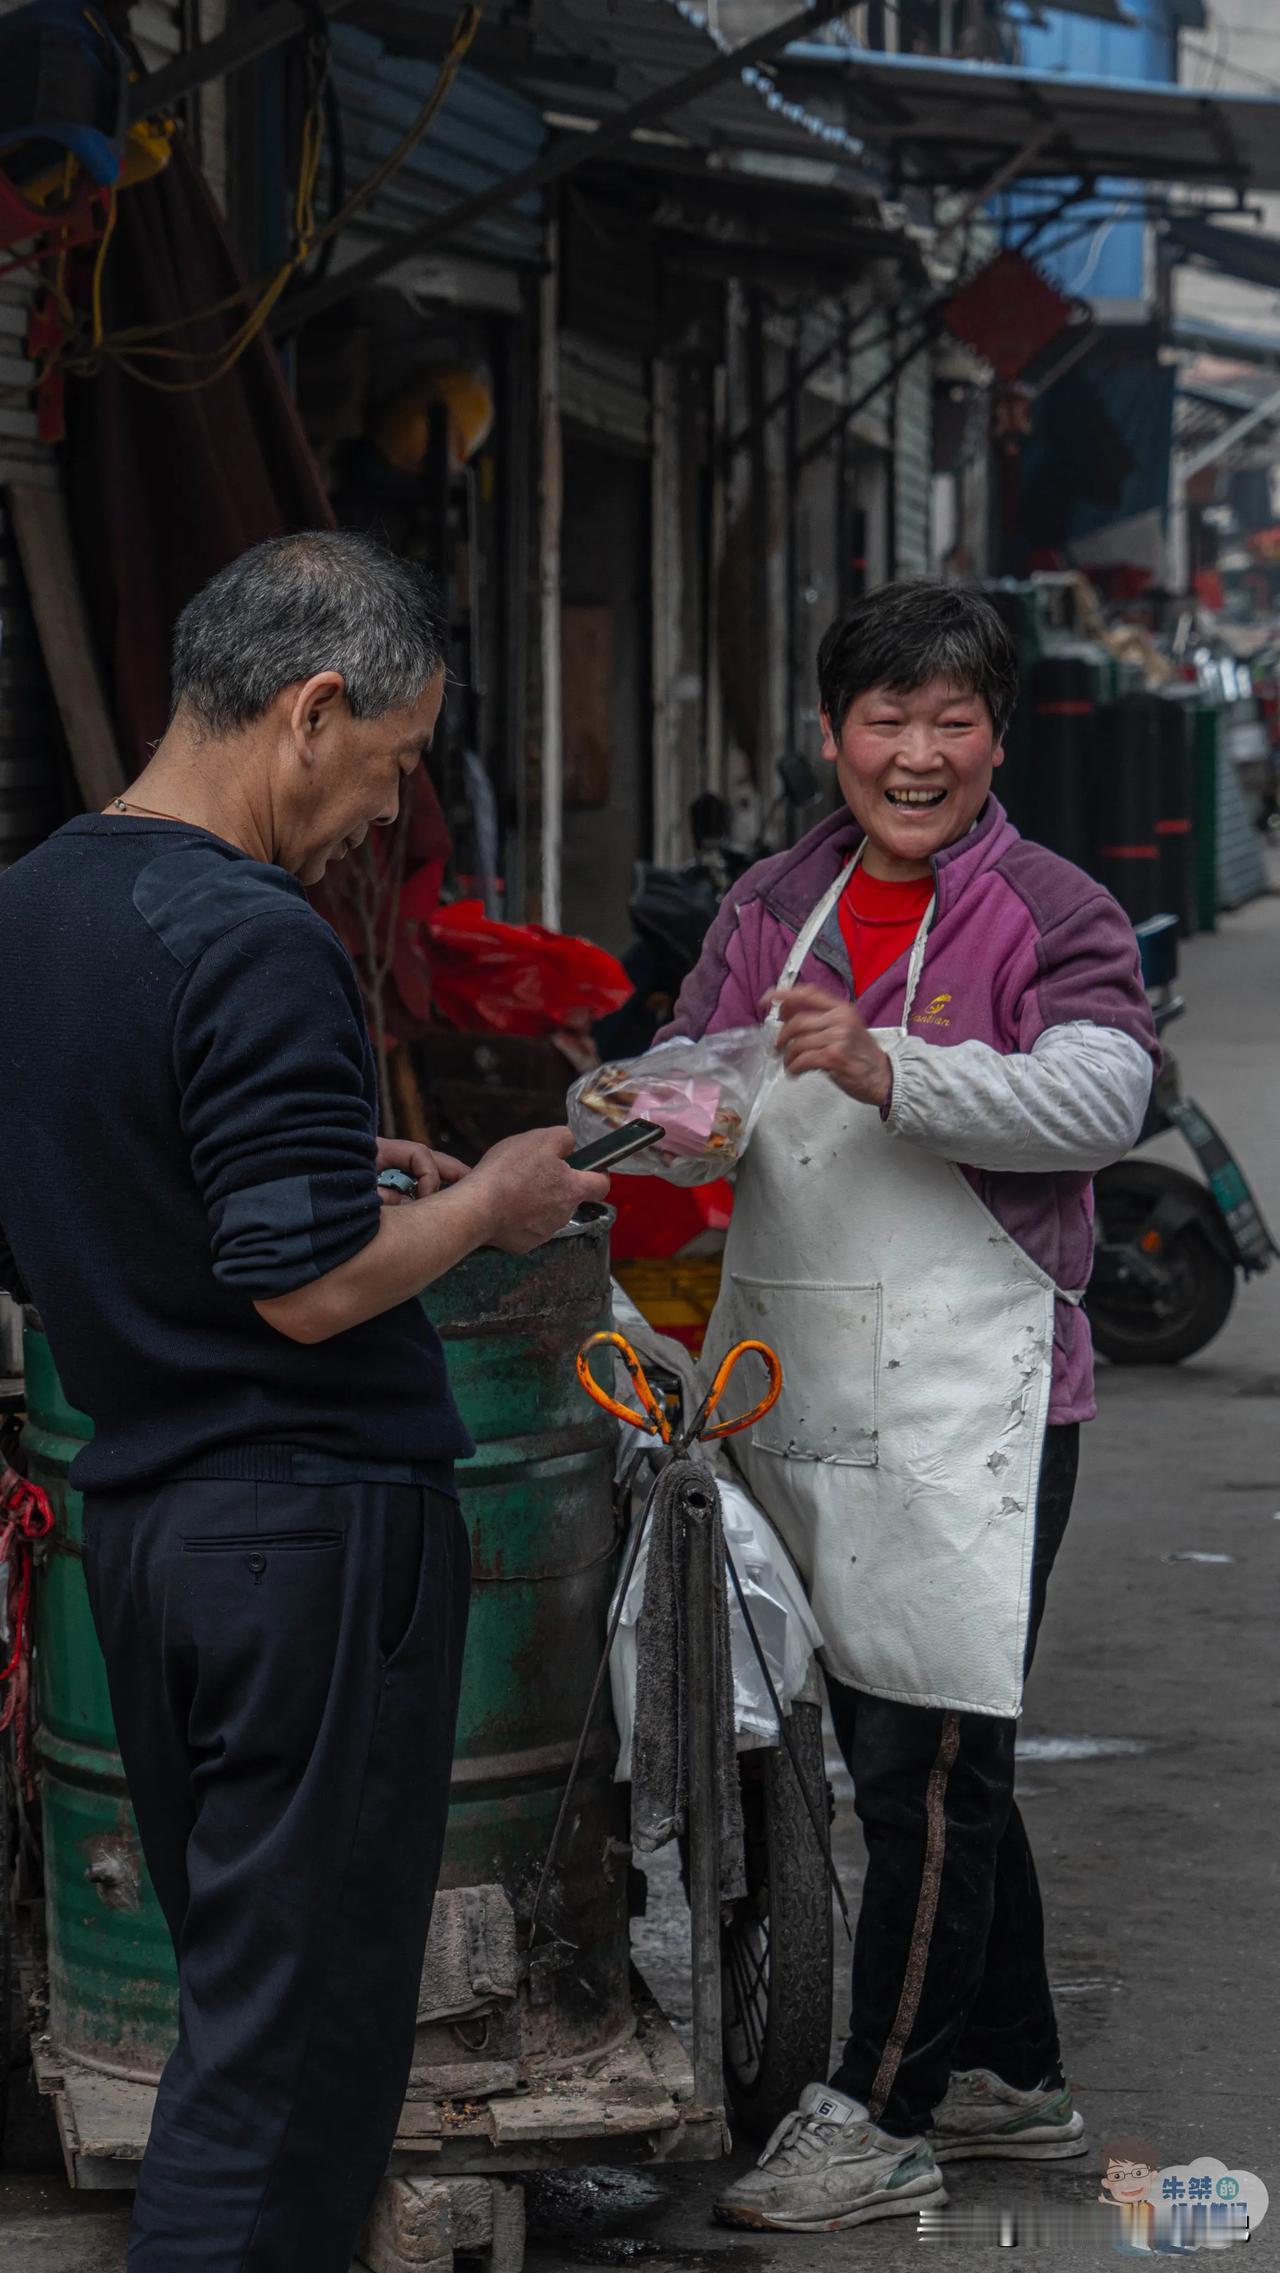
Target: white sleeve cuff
{"x": 1076, "y": 1101}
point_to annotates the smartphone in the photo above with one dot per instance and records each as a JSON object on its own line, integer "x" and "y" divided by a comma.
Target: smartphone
{"x": 619, "y": 1144}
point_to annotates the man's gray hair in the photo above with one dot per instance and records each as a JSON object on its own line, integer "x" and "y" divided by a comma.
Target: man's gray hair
{"x": 327, "y": 600}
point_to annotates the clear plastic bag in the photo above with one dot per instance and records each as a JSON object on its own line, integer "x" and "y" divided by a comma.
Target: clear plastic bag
{"x": 701, "y": 1093}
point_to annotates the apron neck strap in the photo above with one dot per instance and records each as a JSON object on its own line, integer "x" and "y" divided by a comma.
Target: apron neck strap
{"x": 812, "y": 929}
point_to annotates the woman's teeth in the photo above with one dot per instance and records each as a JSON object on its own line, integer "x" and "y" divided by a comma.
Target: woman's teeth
{"x": 915, "y": 796}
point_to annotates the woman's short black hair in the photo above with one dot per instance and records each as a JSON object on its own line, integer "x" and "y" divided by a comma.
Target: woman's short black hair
{"x": 903, "y": 635}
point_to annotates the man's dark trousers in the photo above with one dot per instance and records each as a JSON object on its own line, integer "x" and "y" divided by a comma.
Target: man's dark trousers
{"x": 284, "y": 1662}
{"x": 948, "y": 1962}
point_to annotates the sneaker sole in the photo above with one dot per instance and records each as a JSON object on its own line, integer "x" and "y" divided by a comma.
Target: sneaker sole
{"x": 1049, "y": 2147}
{"x": 904, "y": 2203}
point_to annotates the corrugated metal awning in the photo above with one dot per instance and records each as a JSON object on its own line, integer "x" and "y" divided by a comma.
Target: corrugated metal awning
{"x": 586, "y": 61}
{"x": 747, "y": 122}
{"x": 482, "y": 132}
{"x": 957, "y": 123}
{"x": 642, "y": 83}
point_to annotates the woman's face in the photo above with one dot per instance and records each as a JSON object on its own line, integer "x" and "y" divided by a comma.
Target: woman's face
{"x": 915, "y": 770}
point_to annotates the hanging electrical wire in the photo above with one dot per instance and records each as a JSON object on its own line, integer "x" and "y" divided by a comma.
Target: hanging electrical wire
{"x": 133, "y": 348}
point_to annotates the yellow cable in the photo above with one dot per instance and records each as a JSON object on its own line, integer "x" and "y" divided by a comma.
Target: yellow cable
{"x": 125, "y": 346}
{"x": 108, "y": 231}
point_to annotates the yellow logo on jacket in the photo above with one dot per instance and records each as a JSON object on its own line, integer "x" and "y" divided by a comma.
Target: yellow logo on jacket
{"x": 934, "y": 1013}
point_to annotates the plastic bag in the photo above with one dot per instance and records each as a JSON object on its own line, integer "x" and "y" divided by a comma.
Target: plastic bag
{"x": 701, "y": 1093}
{"x": 789, "y": 1633}
{"x": 517, "y": 978}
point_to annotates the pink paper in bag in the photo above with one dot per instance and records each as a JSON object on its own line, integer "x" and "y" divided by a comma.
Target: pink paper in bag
{"x": 685, "y": 1109}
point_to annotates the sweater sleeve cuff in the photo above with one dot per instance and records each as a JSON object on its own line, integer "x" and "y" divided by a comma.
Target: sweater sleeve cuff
{"x": 891, "y": 1110}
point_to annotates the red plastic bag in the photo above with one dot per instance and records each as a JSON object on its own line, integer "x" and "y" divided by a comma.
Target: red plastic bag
{"x": 656, "y": 1220}
{"x": 510, "y": 978}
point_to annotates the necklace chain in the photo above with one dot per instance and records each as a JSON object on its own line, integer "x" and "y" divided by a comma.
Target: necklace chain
{"x": 152, "y": 812}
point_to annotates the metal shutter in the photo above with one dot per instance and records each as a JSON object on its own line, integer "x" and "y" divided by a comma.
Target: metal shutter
{"x": 605, "y": 390}
{"x": 913, "y": 468}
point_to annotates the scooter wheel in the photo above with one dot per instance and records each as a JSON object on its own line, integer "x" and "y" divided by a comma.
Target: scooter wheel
{"x": 1177, "y": 1300}
{"x": 776, "y": 1945}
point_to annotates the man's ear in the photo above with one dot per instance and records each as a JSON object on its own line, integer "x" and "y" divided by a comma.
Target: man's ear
{"x": 997, "y": 755}
{"x": 312, "y": 706}
{"x": 830, "y": 747}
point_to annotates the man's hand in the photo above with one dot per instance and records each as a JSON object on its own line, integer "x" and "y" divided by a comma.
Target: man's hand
{"x": 821, "y": 1035}
{"x": 530, "y": 1190}
{"x": 431, "y": 1169}
{"x": 518, "y": 1195}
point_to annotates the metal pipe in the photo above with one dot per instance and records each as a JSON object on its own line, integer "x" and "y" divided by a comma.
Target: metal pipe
{"x": 665, "y": 579}
{"x": 247, "y": 42}
{"x": 551, "y": 514}
{"x": 791, "y": 508}
{"x": 1269, "y": 407}
{"x": 703, "y": 1544}
{"x": 563, "y": 158}
{"x": 758, "y": 522}
{"x": 517, "y": 498}
{"x": 930, "y": 322}
{"x": 716, "y": 541}
{"x": 839, "y": 340}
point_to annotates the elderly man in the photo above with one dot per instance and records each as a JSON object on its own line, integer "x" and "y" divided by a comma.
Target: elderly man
{"x": 275, "y": 1558}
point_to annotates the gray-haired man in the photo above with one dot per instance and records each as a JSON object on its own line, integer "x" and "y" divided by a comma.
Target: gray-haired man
{"x": 275, "y": 1558}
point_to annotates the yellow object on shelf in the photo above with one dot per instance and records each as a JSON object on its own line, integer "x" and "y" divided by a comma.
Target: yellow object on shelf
{"x": 677, "y": 1296}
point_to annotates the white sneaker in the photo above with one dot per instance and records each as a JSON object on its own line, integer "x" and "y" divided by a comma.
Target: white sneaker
{"x": 829, "y": 2166}
{"x": 982, "y": 2118}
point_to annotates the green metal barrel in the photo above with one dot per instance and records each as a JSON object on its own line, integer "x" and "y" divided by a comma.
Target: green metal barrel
{"x": 112, "y": 1989}
{"x": 538, "y": 1500}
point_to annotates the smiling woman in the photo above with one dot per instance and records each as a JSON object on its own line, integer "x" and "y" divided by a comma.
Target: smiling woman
{"x": 964, "y": 1040}
{"x": 915, "y": 698}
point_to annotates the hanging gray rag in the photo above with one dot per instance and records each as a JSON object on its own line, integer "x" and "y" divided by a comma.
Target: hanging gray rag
{"x": 660, "y": 1767}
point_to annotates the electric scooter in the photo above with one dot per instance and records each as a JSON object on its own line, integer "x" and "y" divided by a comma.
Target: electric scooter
{"x": 1169, "y": 1247}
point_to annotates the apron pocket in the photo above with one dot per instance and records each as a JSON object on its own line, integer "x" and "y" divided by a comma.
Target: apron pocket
{"x": 827, "y": 1337}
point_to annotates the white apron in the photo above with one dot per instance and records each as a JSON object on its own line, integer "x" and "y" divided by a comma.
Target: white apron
{"x": 916, "y": 1337}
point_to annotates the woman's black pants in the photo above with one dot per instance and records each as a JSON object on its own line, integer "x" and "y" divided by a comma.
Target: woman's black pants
{"x": 948, "y": 1959}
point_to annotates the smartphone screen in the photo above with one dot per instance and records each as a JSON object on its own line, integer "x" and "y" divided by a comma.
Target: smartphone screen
{"x": 633, "y": 1136}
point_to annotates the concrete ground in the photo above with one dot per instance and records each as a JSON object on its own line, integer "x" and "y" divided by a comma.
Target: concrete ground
{"x": 1158, "y": 1859}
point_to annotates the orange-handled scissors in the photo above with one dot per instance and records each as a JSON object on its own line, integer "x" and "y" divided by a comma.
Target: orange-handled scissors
{"x": 653, "y": 1417}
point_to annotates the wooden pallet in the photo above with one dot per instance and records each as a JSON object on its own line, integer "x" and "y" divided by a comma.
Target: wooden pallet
{"x": 631, "y": 2104}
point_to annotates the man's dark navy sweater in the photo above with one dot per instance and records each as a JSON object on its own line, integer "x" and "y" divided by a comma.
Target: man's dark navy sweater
{"x": 188, "y": 1113}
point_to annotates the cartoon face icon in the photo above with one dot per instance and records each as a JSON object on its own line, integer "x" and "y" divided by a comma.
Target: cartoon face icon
{"x": 1128, "y": 2168}
{"x": 1126, "y": 2182}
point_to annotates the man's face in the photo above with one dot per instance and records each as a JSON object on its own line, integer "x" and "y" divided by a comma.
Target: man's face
{"x": 915, "y": 770}
{"x": 353, "y": 782}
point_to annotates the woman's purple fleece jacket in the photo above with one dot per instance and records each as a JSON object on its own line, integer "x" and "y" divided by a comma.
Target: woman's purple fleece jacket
{"x": 1020, "y": 941}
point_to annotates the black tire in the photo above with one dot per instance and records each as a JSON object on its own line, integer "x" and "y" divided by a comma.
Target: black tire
{"x": 776, "y": 1947}
{"x": 1197, "y": 1279}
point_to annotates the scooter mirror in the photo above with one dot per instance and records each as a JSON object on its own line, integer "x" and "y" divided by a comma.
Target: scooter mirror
{"x": 800, "y": 783}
